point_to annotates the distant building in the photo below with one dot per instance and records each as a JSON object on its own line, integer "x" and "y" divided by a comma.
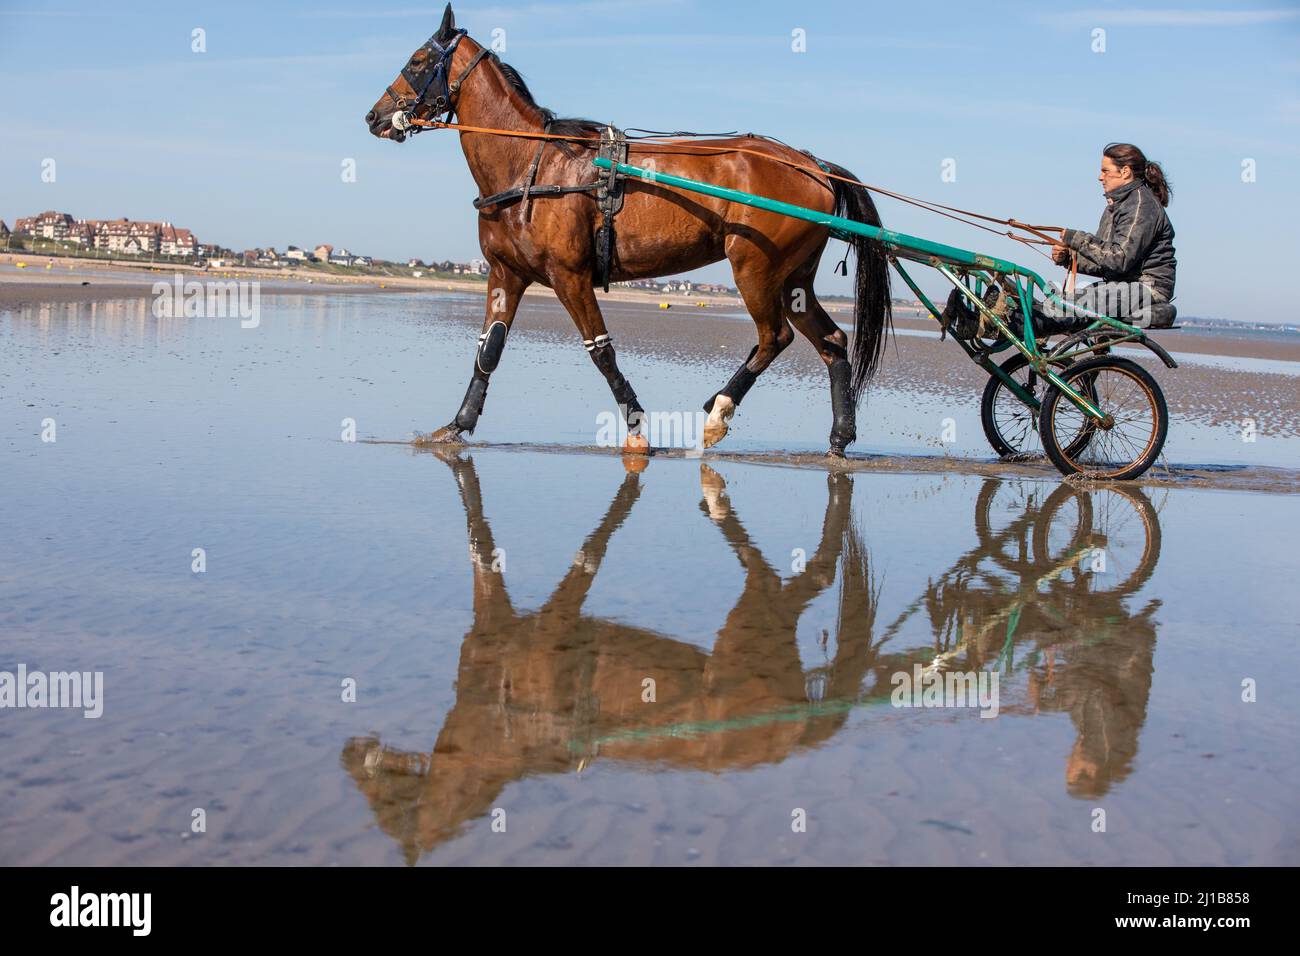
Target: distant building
{"x": 48, "y": 225}
{"x": 124, "y": 235}
{"x": 341, "y": 258}
{"x": 323, "y": 252}
{"x": 296, "y": 254}
{"x": 412, "y": 264}
{"x": 173, "y": 241}
{"x": 82, "y": 233}
{"x": 363, "y": 261}
{"x": 4, "y": 230}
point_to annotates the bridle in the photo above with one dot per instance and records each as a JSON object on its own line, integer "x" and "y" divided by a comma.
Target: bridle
{"x": 433, "y": 80}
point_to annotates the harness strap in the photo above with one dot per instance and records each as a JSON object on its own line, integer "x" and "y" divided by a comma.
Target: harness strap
{"x": 609, "y": 197}
{"x": 532, "y": 171}
{"x": 454, "y": 86}
{"x": 510, "y": 195}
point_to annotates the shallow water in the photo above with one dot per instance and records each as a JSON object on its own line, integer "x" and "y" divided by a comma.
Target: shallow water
{"x": 501, "y": 611}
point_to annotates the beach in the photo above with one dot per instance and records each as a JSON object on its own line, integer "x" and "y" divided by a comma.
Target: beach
{"x": 345, "y": 648}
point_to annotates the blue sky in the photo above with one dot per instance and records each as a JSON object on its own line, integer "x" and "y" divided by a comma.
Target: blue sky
{"x": 244, "y": 143}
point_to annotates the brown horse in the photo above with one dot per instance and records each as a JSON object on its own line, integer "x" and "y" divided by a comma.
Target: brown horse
{"x": 552, "y": 239}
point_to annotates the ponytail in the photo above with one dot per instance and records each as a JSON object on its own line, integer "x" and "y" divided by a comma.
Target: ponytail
{"x": 1155, "y": 177}
{"x": 1126, "y": 154}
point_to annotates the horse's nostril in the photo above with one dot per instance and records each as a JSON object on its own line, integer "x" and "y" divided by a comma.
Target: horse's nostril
{"x": 370, "y": 117}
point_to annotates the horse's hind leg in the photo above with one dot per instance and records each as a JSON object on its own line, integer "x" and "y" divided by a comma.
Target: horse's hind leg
{"x": 807, "y": 315}
{"x": 760, "y": 287}
{"x": 504, "y": 291}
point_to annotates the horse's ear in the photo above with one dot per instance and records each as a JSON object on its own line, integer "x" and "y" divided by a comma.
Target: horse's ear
{"x": 448, "y": 25}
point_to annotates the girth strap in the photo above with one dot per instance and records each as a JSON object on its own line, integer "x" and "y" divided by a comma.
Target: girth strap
{"x": 510, "y": 195}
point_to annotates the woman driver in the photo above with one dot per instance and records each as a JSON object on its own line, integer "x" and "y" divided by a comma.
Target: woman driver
{"x": 1132, "y": 252}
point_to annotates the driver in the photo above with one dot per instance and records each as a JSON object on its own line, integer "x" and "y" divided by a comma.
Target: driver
{"x": 1132, "y": 252}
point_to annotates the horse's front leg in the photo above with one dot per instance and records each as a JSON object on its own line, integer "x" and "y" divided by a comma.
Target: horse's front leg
{"x": 579, "y": 299}
{"x": 504, "y": 291}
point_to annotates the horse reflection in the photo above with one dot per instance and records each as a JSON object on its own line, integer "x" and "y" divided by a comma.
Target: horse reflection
{"x": 550, "y": 690}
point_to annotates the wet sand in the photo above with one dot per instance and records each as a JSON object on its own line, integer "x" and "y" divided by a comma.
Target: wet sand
{"x": 1222, "y": 477}
{"x": 510, "y": 679}
{"x": 1211, "y": 397}
{"x": 499, "y": 606}
{"x": 41, "y": 288}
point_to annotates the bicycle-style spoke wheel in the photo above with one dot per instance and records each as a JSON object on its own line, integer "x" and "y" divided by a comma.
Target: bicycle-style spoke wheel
{"x": 1004, "y": 516}
{"x": 1122, "y": 546}
{"x": 1123, "y": 390}
{"x": 1010, "y": 425}
{"x": 1062, "y": 527}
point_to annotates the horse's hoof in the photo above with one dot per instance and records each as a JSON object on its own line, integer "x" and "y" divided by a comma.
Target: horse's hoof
{"x": 447, "y": 435}
{"x": 714, "y": 490}
{"x": 718, "y": 424}
{"x": 636, "y": 445}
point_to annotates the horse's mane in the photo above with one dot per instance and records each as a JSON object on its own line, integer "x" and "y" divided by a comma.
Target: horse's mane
{"x": 560, "y": 125}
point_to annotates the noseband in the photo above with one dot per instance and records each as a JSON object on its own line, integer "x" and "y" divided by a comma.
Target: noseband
{"x": 433, "y": 81}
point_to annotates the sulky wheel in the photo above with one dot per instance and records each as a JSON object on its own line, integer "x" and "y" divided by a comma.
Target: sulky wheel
{"x": 1010, "y": 425}
{"x": 1127, "y": 393}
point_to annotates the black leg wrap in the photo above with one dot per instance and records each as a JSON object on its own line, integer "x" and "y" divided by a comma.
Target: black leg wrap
{"x": 472, "y": 407}
{"x": 739, "y": 384}
{"x": 602, "y": 353}
{"x": 490, "y": 346}
{"x": 844, "y": 428}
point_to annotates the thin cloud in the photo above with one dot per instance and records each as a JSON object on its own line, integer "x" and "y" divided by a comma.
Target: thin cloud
{"x": 236, "y": 66}
{"x": 1169, "y": 18}
{"x": 79, "y": 14}
{"x": 731, "y": 40}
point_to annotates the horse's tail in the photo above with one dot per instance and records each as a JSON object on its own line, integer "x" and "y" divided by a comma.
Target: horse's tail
{"x": 872, "y": 315}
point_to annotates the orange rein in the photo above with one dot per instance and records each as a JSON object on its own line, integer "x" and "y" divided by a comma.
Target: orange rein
{"x": 951, "y": 212}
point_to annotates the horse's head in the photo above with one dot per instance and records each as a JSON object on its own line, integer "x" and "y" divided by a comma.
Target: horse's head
{"x": 425, "y": 88}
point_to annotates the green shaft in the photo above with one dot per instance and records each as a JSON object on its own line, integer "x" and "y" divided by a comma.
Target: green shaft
{"x": 898, "y": 243}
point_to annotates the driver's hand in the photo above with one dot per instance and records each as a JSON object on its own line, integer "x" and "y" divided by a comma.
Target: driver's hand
{"x": 1060, "y": 254}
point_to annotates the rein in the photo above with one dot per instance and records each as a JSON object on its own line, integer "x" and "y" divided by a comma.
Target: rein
{"x": 951, "y": 212}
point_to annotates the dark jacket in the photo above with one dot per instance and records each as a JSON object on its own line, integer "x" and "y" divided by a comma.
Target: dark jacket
{"x": 1134, "y": 243}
